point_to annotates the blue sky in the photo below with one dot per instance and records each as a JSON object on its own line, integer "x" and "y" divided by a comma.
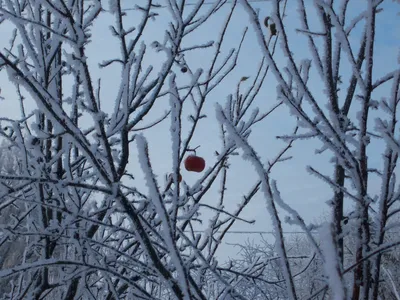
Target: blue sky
{"x": 302, "y": 191}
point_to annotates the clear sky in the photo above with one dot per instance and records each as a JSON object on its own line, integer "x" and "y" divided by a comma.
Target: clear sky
{"x": 302, "y": 191}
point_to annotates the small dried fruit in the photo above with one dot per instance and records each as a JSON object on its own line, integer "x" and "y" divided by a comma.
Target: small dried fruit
{"x": 195, "y": 163}
{"x": 179, "y": 177}
{"x": 272, "y": 29}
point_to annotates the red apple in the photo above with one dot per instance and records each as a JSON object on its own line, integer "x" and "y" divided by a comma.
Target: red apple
{"x": 195, "y": 163}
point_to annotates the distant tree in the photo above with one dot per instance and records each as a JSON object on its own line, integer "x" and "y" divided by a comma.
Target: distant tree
{"x": 11, "y": 247}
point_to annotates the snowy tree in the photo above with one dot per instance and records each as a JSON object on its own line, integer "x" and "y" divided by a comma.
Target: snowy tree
{"x": 91, "y": 231}
{"x": 344, "y": 120}
{"x": 96, "y": 218}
